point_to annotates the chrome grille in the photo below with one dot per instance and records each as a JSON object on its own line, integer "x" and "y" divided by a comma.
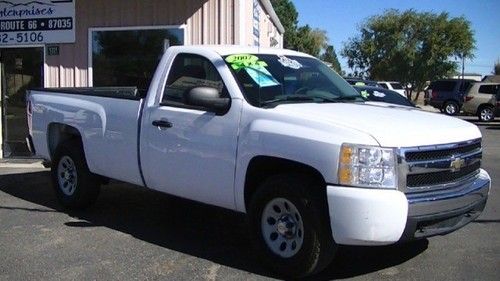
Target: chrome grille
{"x": 428, "y": 155}
{"x": 438, "y": 166}
{"x": 444, "y": 177}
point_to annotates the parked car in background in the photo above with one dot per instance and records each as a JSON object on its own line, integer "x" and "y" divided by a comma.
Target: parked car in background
{"x": 483, "y": 100}
{"x": 448, "y": 94}
{"x": 394, "y": 86}
{"x": 361, "y": 82}
{"x": 379, "y": 94}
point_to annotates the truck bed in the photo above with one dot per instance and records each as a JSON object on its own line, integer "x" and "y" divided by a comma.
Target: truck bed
{"x": 106, "y": 118}
{"x": 131, "y": 93}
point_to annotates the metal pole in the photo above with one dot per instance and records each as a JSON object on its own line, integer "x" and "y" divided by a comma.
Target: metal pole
{"x": 463, "y": 67}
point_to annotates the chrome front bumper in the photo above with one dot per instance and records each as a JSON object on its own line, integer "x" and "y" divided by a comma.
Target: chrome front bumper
{"x": 443, "y": 211}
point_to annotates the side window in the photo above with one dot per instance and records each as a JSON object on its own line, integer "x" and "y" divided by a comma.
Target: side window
{"x": 465, "y": 86}
{"x": 383, "y": 85}
{"x": 189, "y": 71}
{"x": 487, "y": 89}
{"x": 444, "y": 86}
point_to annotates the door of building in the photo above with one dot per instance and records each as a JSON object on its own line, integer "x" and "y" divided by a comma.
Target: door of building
{"x": 21, "y": 69}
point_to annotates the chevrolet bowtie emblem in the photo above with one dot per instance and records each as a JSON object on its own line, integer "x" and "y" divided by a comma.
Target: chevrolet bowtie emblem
{"x": 457, "y": 164}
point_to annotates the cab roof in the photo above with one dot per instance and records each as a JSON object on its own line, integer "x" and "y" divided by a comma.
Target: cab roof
{"x": 224, "y": 50}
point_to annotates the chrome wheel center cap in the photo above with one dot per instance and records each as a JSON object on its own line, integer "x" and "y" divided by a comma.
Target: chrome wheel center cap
{"x": 286, "y": 226}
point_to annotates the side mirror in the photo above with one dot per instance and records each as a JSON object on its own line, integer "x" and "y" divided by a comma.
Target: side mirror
{"x": 207, "y": 98}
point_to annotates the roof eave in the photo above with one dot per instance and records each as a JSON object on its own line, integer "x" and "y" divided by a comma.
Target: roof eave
{"x": 272, "y": 14}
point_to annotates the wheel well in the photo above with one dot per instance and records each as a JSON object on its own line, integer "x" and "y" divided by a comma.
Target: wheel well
{"x": 483, "y": 106}
{"x": 451, "y": 100}
{"x": 59, "y": 133}
{"x": 261, "y": 167}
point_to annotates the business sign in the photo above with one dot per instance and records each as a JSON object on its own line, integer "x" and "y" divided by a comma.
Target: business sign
{"x": 25, "y": 22}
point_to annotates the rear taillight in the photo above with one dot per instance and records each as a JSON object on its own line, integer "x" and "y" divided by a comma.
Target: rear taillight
{"x": 467, "y": 98}
{"x": 434, "y": 94}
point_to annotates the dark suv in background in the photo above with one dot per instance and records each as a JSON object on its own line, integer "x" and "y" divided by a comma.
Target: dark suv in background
{"x": 448, "y": 94}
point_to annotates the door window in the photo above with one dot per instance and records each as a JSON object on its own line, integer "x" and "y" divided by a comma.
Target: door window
{"x": 464, "y": 86}
{"x": 189, "y": 71}
{"x": 444, "y": 86}
{"x": 397, "y": 86}
{"x": 488, "y": 89}
{"x": 383, "y": 85}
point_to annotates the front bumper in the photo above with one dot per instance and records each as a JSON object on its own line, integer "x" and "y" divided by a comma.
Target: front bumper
{"x": 446, "y": 211}
{"x": 360, "y": 216}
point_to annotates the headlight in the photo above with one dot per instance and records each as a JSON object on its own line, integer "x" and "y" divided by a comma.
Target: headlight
{"x": 367, "y": 166}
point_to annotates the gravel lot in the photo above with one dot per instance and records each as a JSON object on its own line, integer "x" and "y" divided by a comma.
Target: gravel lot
{"x": 133, "y": 233}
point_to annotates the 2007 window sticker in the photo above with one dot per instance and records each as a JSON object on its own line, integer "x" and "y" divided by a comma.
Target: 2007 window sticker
{"x": 254, "y": 67}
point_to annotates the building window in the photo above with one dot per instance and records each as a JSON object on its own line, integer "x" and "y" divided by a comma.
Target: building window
{"x": 130, "y": 57}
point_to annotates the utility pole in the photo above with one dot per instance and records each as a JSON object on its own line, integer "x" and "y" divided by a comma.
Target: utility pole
{"x": 463, "y": 67}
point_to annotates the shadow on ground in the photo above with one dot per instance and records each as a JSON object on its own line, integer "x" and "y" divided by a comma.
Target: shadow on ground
{"x": 192, "y": 228}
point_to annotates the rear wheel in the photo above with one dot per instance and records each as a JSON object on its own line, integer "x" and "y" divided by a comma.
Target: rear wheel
{"x": 486, "y": 113}
{"x": 75, "y": 186}
{"x": 451, "y": 108}
{"x": 290, "y": 226}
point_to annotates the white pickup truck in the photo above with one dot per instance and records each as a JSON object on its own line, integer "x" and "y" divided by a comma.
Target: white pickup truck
{"x": 272, "y": 133}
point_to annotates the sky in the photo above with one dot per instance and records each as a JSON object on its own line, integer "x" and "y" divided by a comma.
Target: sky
{"x": 341, "y": 19}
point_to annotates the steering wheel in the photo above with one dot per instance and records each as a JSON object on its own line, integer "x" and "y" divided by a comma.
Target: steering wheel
{"x": 302, "y": 91}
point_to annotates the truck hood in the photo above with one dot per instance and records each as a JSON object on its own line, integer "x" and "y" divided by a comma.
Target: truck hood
{"x": 391, "y": 126}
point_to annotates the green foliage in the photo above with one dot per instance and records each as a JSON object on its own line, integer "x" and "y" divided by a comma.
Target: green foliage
{"x": 330, "y": 56}
{"x": 409, "y": 46}
{"x": 311, "y": 41}
{"x": 288, "y": 16}
{"x": 496, "y": 68}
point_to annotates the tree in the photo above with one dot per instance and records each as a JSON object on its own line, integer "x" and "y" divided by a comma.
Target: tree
{"x": 496, "y": 68}
{"x": 410, "y": 47}
{"x": 288, "y": 16}
{"x": 330, "y": 56}
{"x": 311, "y": 41}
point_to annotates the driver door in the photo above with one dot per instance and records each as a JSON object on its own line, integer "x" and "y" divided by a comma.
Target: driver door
{"x": 188, "y": 151}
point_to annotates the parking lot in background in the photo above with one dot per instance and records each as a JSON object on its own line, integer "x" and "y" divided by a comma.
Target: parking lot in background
{"x": 134, "y": 233}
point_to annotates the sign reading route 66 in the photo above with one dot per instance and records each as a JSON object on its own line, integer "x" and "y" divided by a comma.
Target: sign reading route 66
{"x": 24, "y": 22}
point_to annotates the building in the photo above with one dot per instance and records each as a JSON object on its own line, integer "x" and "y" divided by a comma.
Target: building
{"x": 84, "y": 43}
{"x": 471, "y": 76}
{"x": 492, "y": 78}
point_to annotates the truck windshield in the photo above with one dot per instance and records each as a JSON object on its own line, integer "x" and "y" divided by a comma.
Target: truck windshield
{"x": 270, "y": 80}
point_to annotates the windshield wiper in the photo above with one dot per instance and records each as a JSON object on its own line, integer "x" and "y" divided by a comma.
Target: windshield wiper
{"x": 321, "y": 99}
{"x": 345, "y": 98}
{"x": 287, "y": 98}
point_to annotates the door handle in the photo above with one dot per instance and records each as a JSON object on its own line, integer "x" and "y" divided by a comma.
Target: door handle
{"x": 162, "y": 123}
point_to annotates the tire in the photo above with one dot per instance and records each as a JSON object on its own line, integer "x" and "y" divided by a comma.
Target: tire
{"x": 75, "y": 186}
{"x": 292, "y": 213}
{"x": 451, "y": 108}
{"x": 486, "y": 113}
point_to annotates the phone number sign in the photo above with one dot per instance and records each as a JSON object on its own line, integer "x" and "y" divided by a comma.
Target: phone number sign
{"x": 25, "y": 22}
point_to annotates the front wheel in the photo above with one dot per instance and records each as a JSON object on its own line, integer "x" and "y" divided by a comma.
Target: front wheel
{"x": 451, "y": 108}
{"x": 75, "y": 186}
{"x": 290, "y": 226}
{"x": 486, "y": 114}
